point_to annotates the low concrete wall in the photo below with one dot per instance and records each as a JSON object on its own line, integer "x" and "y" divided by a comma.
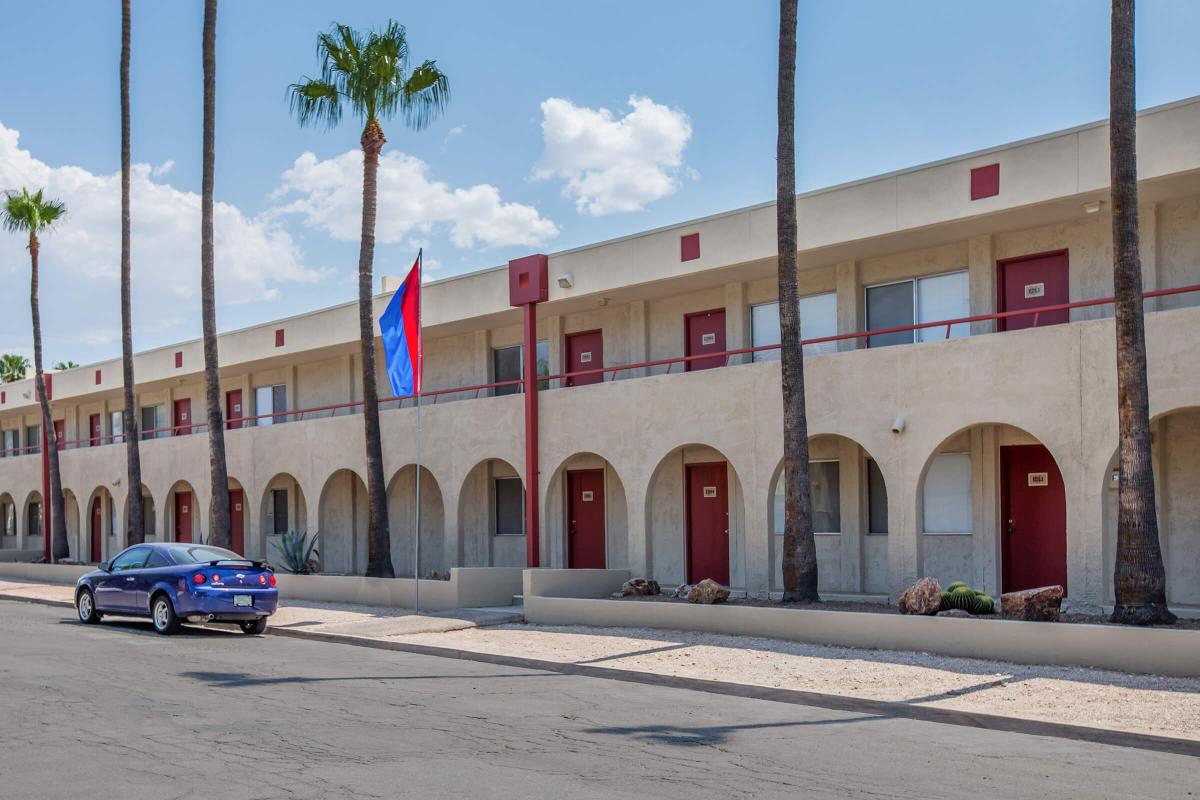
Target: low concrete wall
{"x": 467, "y": 587}
{"x": 43, "y": 573}
{"x": 484, "y": 586}
{"x": 1150, "y": 650}
{"x": 19, "y": 555}
{"x": 572, "y": 582}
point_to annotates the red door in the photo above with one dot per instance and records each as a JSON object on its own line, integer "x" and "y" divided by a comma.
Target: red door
{"x": 94, "y": 430}
{"x": 705, "y": 334}
{"x": 585, "y": 519}
{"x": 1034, "y": 515}
{"x": 585, "y": 351}
{"x": 183, "y": 417}
{"x": 183, "y": 517}
{"x": 233, "y": 409}
{"x": 97, "y": 529}
{"x": 707, "y": 519}
{"x": 60, "y": 432}
{"x": 237, "y": 521}
{"x": 1034, "y": 282}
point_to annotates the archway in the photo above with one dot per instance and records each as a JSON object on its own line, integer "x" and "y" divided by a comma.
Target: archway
{"x": 850, "y": 517}
{"x": 586, "y": 516}
{"x": 695, "y": 518}
{"x": 343, "y": 513}
{"x": 71, "y": 511}
{"x": 8, "y": 521}
{"x": 282, "y": 509}
{"x": 149, "y": 528}
{"x": 991, "y": 511}
{"x": 491, "y": 516}
{"x": 183, "y": 518}
{"x": 237, "y": 516}
{"x": 98, "y": 541}
{"x": 29, "y": 525}
{"x": 402, "y": 506}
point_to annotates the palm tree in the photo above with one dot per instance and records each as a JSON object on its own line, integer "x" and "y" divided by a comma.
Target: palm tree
{"x": 370, "y": 74}
{"x": 13, "y": 367}
{"x": 799, "y": 546}
{"x": 133, "y": 456}
{"x": 1140, "y": 580}
{"x": 61, "y": 365}
{"x": 32, "y": 214}
{"x": 218, "y": 509}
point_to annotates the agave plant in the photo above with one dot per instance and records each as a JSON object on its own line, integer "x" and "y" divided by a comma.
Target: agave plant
{"x": 297, "y": 550}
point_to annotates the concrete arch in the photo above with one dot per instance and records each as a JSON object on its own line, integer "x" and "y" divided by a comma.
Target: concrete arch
{"x": 183, "y": 514}
{"x": 666, "y": 514}
{"x": 556, "y": 544}
{"x": 98, "y": 540}
{"x": 402, "y": 507}
{"x": 850, "y": 501}
{"x": 342, "y": 518}
{"x": 25, "y": 531}
{"x": 1175, "y": 437}
{"x": 984, "y": 553}
{"x": 480, "y": 541}
{"x": 150, "y": 530}
{"x": 74, "y": 538}
{"x": 8, "y": 521}
{"x": 282, "y": 507}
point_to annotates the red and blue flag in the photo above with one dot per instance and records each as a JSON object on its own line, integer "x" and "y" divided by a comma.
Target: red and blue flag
{"x": 400, "y": 325}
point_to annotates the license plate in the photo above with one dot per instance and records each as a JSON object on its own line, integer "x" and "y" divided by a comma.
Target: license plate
{"x": 243, "y": 600}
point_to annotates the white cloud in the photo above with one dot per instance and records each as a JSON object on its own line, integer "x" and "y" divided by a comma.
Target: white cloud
{"x": 81, "y": 258}
{"x": 328, "y": 194}
{"x": 163, "y": 168}
{"x": 612, "y": 165}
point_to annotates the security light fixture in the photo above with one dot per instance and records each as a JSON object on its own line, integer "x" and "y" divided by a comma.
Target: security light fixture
{"x": 566, "y": 280}
{"x": 1092, "y": 206}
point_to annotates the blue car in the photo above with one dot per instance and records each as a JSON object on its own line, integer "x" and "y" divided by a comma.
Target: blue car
{"x": 172, "y": 583}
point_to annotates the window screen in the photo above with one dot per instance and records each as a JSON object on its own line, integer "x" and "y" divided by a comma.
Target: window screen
{"x": 877, "y": 501}
{"x": 152, "y": 420}
{"x": 270, "y": 400}
{"x": 818, "y": 318}
{"x": 947, "y": 494}
{"x": 506, "y": 363}
{"x": 890, "y": 306}
{"x": 12, "y": 442}
{"x": 510, "y": 507}
{"x": 942, "y": 297}
{"x": 116, "y": 426}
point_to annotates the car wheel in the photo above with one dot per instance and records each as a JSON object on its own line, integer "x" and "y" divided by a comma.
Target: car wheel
{"x": 85, "y": 604}
{"x": 163, "y": 613}
{"x": 254, "y": 626}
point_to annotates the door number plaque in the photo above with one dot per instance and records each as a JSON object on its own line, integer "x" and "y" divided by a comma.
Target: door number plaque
{"x": 710, "y": 491}
{"x": 708, "y": 338}
{"x": 1035, "y": 290}
{"x": 1039, "y": 479}
{"x": 587, "y": 497}
{"x": 585, "y": 358}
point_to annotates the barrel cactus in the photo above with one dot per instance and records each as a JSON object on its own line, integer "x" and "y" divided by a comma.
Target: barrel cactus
{"x": 959, "y": 595}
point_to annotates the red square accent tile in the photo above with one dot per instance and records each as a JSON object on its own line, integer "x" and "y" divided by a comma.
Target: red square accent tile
{"x": 985, "y": 181}
{"x": 689, "y": 247}
{"x": 97, "y": 377}
{"x": 279, "y": 337}
{"x": 178, "y": 359}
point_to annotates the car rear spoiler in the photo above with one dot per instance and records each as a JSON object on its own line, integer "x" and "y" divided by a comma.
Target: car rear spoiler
{"x": 252, "y": 562}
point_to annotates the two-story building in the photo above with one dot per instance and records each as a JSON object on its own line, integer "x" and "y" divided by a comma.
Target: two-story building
{"x": 982, "y": 450}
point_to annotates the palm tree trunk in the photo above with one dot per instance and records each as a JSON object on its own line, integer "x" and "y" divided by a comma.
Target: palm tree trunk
{"x": 218, "y": 509}
{"x": 799, "y": 546}
{"x": 60, "y": 549}
{"x": 133, "y": 459}
{"x": 1139, "y": 580}
{"x": 379, "y": 545}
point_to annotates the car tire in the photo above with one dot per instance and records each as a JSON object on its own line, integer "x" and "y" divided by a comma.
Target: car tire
{"x": 254, "y": 626}
{"x": 85, "y": 605}
{"x": 163, "y": 615}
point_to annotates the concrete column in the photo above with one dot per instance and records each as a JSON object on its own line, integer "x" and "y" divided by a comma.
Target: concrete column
{"x": 638, "y": 535}
{"x": 986, "y": 525}
{"x": 904, "y": 530}
{"x": 551, "y": 329}
{"x": 981, "y": 268}
{"x": 639, "y": 339}
{"x": 1148, "y": 235}
{"x": 849, "y": 304}
{"x": 481, "y": 354}
{"x": 756, "y": 556}
{"x": 852, "y": 488}
{"x": 737, "y": 321}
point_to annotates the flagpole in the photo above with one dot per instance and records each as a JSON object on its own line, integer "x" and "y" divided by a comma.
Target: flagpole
{"x": 417, "y": 393}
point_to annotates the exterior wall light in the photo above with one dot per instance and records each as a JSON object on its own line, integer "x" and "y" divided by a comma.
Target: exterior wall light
{"x": 1092, "y": 207}
{"x": 566, "y": 280}
{"x": 898, "y": 425}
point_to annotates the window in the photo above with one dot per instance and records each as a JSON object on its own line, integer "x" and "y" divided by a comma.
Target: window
{"x": 33, "y": 519}
{"x": 270, "y": 400}
{"x": 818, "y": 318}
{"x": 826, "y": 498}
{"x": 202, "y": 554}
{"x": 947, "y": 494}
{"x": 33, "y": 439}
{"x": 508, "y": 363}
{"x": 147, "y": 518}
{"x": 937, "y": 297}
{"x": 133, "y": 558}
{"x": 112, "y": 517}
{"x": 510, "y": 507}
{"x": 156, "y": 559}
{"x": 116, "y": 426}
{"x": 8, "y": 519}
{"x": 877, "y": 502}
{"x": 12, "y": 443}
{"x": 277, "y": 517}
{"x": 154, "y": 418}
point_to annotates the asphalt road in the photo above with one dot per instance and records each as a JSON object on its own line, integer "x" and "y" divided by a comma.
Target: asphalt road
{"x": 116, "y": 711}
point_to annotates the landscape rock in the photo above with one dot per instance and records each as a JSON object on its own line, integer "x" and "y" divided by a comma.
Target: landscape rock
{"x": 954, "y": 612}
{"x": 683, "y": 591}
{"x": 923, "y": 597}
{"x": 639, "y": 587}
{"x": 1033, "y": 605}
{"x": 708, "y": 592}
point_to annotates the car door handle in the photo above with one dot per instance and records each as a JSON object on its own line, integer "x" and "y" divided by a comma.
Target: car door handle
{"x": 129, "y": 578}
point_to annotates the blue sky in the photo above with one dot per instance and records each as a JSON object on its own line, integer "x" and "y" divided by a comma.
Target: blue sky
{"x": 881, "y": 86}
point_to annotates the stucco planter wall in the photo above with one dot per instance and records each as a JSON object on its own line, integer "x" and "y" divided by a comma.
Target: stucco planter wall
{"x": 43, "y": 573}
{"x": 573, "y": 582}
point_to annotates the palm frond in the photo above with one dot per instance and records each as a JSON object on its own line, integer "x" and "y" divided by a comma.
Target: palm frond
{"x": 425, "y": 94}
{"x": 315, "y": 102}
{"x": 23, "y": 212}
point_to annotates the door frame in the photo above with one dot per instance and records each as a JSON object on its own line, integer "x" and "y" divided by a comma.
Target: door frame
{"x": 1006, "y": 510}
{"x": 1001, "y": 263}
{"x": 567, "y": 355}
{"x": 96, "y": 531}
{"x": 688, "y": 366}
{"x": 687, "y": 518}
{"x": 567, "y": 508}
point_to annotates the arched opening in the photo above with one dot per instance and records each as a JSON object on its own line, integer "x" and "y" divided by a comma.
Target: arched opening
{"x": 282, "y": 509}
{"x": 71, "y": 512}
{"x": 148, "y": 520}
{"x": 8, "y": 522}
{"x": 343, "y": 515}
{"x": 183, "y": 518}
{"x": 402, "y": 517}
{"x": 1174, "y": 442}
{"x": 100, "y": 540}
{"x": 695, "y": 518}
{"x": 586, "y": 516}
{"x": 29, "y": 525}
{"x": 992, "y": 511}
{"x": 237, "y": 516}
{"x": 491, "y": 516}
{"x": 850, "y": 518}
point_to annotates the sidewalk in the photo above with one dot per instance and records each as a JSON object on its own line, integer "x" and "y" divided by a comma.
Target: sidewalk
{"x": 1113, "y": 701}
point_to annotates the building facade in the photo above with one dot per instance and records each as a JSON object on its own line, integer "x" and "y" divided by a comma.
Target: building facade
{"x": 982, "y": 450}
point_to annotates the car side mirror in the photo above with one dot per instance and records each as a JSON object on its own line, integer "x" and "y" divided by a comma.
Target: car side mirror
{"x": 104, "y": 566}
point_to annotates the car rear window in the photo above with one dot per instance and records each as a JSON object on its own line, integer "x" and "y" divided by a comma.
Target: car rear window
{"x": 157, "y": 559}
{"x": 202, "y": 554}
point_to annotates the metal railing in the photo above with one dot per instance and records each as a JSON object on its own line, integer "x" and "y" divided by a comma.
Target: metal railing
{"x": 562, "y": 378}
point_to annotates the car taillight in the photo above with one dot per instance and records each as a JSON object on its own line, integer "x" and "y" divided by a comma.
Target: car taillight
{"x": 272, "y": 580}
{"x": 262, "y": 578}
{"x": 199, "y": 578}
